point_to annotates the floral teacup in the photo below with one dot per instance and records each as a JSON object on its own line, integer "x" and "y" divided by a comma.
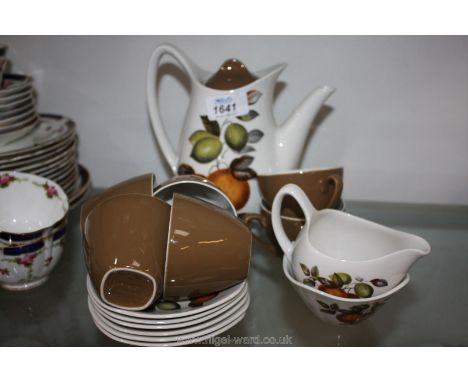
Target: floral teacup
{"x": 33, "y": 213}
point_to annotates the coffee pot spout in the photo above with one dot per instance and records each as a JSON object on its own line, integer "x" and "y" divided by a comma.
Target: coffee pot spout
{"x": 291, "y": 136}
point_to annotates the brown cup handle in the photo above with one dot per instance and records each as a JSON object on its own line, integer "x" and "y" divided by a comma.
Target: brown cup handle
{"x": 248, "y": 219}
{"x": 337, "y": 181}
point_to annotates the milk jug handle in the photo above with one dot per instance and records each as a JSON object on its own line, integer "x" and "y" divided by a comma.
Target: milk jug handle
{"x": 308, "y": 209}
{"x": 152, "y": 99}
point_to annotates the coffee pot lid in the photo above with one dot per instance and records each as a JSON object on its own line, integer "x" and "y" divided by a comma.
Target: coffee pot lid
{"x": 232, "y": 74}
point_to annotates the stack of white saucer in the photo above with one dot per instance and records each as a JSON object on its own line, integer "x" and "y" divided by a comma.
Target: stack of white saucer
{"x": 18, "y": 114}
{"x": 170, "y": 323}
{"x": 50, "y": 151}
{"x": 44, "y": 145}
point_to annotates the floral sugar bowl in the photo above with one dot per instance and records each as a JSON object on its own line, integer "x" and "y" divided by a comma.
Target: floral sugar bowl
{"x": 33, "y": 219}
{"x": 336, "y": 310}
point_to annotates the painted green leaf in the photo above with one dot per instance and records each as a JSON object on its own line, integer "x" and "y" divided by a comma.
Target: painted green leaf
{"x": 359, "y": 308}
{"x": 334, "y": 307}
{"x": 322, "y": 304}
{"x": 255, "y": 135}
{"x": 247, "y": 149}
{"x": 308, "y": 281}
{"x": 326, "y": 282}
{"x": 346, "y": 278}
{"x": 249, "y": 116}
{"x": 336, "y": 280}
{"x": 211, "y": 126}
{"x": 244, "y": 174}
{"x": 253, "y": 96}
{"x": 185, "y": 169}
{"x": 314, "y": 271}
{"x": 241, "y": 163}
{"x": 379, "y": 282}
{"x": 305, "y": 270}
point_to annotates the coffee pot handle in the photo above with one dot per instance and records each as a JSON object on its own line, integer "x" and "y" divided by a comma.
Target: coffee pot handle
{"x": 307, "y": 208}
{"x": 152, "y": 99}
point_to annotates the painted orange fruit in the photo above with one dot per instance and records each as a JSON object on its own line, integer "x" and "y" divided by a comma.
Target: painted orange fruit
{"x": 198, "y": 301}
{"x": 333, "y": 291}
{"x": 351, "y": 318}
{"x": 238, "y": 191}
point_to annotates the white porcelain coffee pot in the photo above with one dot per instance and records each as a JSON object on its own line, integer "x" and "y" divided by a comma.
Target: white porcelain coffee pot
{"x": 230, "y": 134}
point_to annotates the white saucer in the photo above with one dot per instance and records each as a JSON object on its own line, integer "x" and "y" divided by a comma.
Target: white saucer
{"x": 23, "y": 107}
{"x": 168, "y": 344}
{"x": 17, "y": 104}
{"x": 178, "y": 341}
{"x": 13, "y": 134}
{"x": 171, "y": 323}
{"x": 37, "y": 155}
{"x": 154, "y": 313}
{"x": 8, "y": 123}
{"x": 162, "y": 334}
{"x": 14, "y": 83}
{"x": 51, "y": 129}
{"x": 82, "y": 187}
{"x": 48, "y": 163}
{"x": 16, "y": 97}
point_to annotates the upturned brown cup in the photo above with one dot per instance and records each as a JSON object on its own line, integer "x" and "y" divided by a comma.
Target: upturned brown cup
{"x": 197, "y": 187}
{"x": 142, "y": 184}
{"x": 125, "y": 244}
{"x": 292, "y": 226}
{"x": 322, "y": 186}
{"x": 208, "y": 249}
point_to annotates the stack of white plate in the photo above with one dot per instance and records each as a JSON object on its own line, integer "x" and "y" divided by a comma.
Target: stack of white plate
{"x": 171, "y": 323}
{"x": 49, "y": 150}
{"x": 18, "y": 114}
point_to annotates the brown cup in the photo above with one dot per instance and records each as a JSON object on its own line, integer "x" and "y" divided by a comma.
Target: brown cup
{"x": 322, "y": 186}
{"x": 142, "y": 184}
{"x": 125, "y": 246}
{"x": 197, "y": 187}
{"x": 208, "y": 249}
{"x": 292, "y": 226}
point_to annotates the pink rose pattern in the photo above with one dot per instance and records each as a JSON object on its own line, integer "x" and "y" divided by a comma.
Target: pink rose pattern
{"x": 51, "y": 192}
{"x": 27, "y": 260}
{"x": 5, "y": 180}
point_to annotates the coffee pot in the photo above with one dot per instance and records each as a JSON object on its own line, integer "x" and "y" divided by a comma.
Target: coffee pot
{"x": 230, "y": 134}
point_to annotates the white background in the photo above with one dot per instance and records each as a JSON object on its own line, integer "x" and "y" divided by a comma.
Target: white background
{"x": 398, "y": 122}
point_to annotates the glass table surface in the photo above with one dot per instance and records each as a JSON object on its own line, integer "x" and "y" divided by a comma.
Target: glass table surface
{"x": 431, "y": 311}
